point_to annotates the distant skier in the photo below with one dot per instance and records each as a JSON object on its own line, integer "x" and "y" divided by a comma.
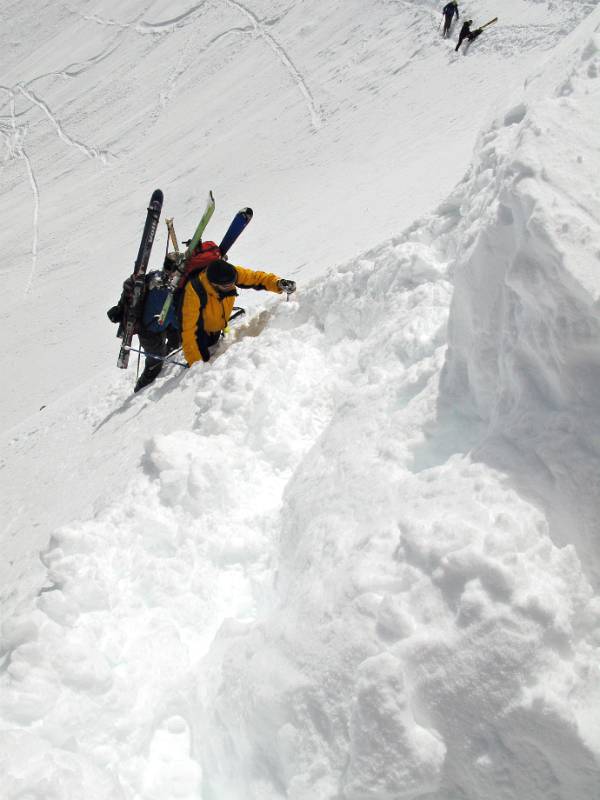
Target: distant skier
{"x": 154, "y": 339}
{"x": 208, "y": 298}
{"x": 467, "y": 33}
{"x": 449, "y": 11}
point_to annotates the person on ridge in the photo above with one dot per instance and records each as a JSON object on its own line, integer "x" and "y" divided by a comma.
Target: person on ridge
{"x": 449, "y": 11}
{"x": 467, "y": 33}
{"x": 155, "y": 339}
{"x": 208, "y": 298}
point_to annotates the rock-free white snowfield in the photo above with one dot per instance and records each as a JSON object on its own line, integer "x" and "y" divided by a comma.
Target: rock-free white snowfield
{"x": 356, "y": 556}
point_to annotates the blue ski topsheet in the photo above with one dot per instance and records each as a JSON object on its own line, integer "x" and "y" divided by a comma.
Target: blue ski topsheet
{"x": 238, "y": 223}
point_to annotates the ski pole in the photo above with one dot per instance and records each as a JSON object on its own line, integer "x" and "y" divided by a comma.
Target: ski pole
{"x": 166, "y": 359}
{"x": 237, "y": 312}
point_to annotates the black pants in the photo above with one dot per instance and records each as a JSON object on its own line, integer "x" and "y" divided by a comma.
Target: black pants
{"x": 447, "y": 24}
{"x": 470, "y": 36}
{"x": 159, "y": 344}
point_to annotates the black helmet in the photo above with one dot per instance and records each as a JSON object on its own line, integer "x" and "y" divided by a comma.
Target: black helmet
{"x": 221, "y": 273}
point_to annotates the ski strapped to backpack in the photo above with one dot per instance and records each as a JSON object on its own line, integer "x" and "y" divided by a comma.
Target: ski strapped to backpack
{"x": 171, "y": 235}
{"x": 209, "y": 211}
{"x": 236, "y": 228}
{"x": 133, "y": 309}
{"x": 205, "y": 254}
{"x": 175, "y": 279}
{"x": 199, "y": 254}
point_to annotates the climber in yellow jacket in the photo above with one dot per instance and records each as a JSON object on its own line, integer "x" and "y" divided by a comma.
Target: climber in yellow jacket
{"x": 208, "y": 299}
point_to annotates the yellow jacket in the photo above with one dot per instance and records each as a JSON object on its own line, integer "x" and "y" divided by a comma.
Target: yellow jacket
{"x": 205, "y": 312}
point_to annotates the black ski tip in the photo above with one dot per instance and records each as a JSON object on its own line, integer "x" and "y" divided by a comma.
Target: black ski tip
{"x": 248, "y": 213}
{"x": 157, "y": 195}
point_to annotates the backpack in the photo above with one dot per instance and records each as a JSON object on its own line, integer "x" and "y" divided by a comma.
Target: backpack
{"x": 154, "y": 301}
{"x": 205, "y": 254}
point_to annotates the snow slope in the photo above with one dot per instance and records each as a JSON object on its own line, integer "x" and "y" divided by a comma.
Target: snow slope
{"x": 322, "y": 116}
{"x": 94, "y": 117}
{"x": 524, "y": 347}
{"x": 433, "y": 629}
{"x": 357, "y": 556}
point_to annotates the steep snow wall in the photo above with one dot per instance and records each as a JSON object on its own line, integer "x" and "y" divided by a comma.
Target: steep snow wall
{"x": 433, "y": 630}
{"x": 424, "y": 636}
{"x": 524, "y": 337}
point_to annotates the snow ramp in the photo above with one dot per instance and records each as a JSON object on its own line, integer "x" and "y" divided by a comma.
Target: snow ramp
{"x": 433, "y": 629}
{"x": 344, "y": 579}
{"x": 323, "y": 118}
{"x": 524, "y": 344}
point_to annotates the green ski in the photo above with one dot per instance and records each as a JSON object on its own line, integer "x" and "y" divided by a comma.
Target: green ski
{"x": 210, "y": 208}
{"x": 193, "y": 243}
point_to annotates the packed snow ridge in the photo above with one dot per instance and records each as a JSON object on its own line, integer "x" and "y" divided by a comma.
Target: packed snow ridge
{"x": 369, "y": 568}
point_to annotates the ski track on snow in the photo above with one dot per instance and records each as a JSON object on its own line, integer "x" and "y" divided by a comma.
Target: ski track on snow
{"x": 90, "y": 152}
{"x": 79, "y": 67}
{"x": 183, "y": 63}
{"x": 256, "y": 28}
{"x": 141, "y": 27}
{"x": 168, "y": 26}
{"x": 259, "y": 29}
{"x": 36, "y": 217}
{"x": 156, "y": 27}
{"x": 315, "y": 113}
{"x": 243, "y": 31}
{"x": 108, "y": 23}
{"x": 14, "y": 137}
{"x": 104, "y": 22}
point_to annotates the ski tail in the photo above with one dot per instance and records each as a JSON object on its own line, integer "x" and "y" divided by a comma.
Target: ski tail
{"x": 236, "y": 228}
{"x": 172, "y": 236}
{"x": 149, "y": 232}
{"x": 491, "y": 22}
{"x": 134, "y": 308}
{"x": 166, "y": 306}
{"x": 192, "y": 244}
{"x": 208, "y": 212}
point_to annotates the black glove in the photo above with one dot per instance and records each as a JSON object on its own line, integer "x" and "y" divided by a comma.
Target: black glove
{"x": 115, "y": 314}
{"x": 289, "y": 287}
